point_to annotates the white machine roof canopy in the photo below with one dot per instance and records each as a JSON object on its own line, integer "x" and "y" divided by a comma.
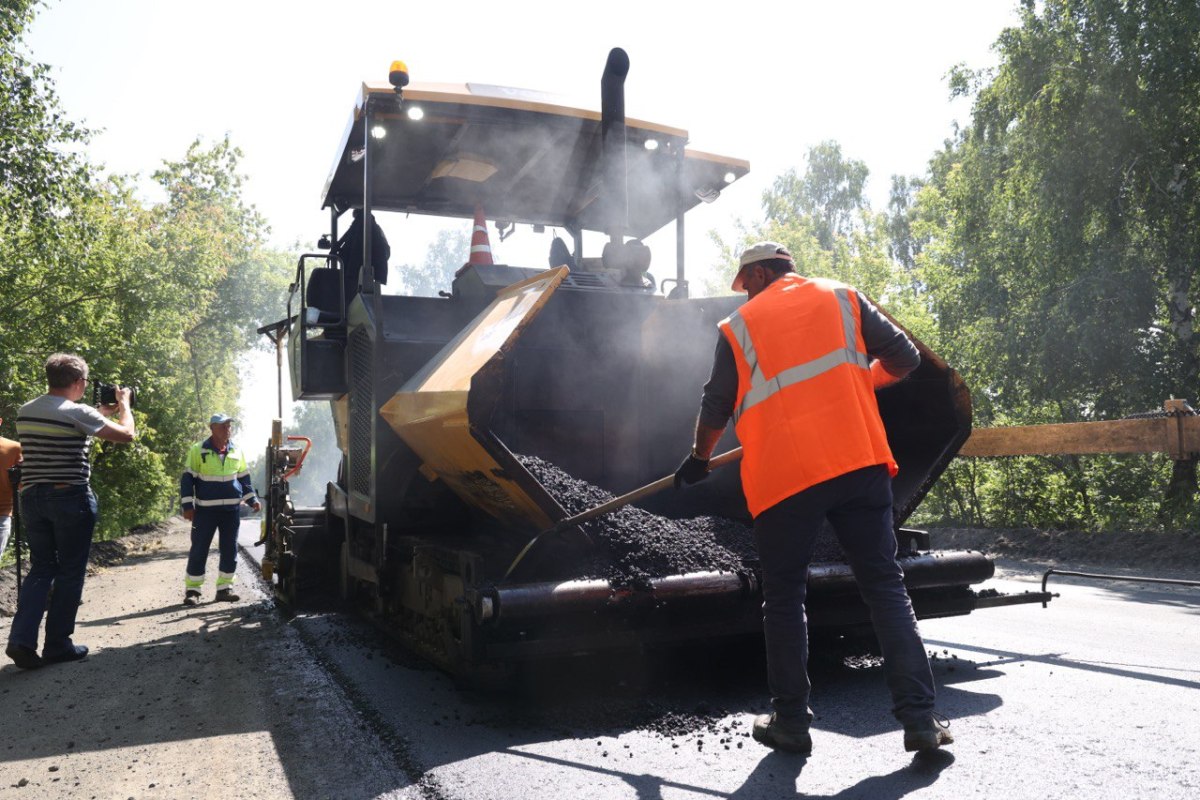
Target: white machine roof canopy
{"x": 523, "y": 156}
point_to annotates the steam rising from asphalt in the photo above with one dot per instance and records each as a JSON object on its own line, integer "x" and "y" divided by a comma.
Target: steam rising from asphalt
{"x": 307, "y": 487}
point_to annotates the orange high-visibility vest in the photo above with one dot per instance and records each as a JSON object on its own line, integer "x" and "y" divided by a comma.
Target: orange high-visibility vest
{"x": 806, "y": 409}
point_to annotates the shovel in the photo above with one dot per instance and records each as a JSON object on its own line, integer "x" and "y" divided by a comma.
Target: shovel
{"x": 616, "y": 503}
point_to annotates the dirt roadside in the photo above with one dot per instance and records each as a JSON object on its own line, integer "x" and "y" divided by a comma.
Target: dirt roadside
{"x": 1147, "y": 553}
{"x": 218, "y": 700}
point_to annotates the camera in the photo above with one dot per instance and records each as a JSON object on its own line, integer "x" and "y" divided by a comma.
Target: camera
{"x": 105, "y": 394}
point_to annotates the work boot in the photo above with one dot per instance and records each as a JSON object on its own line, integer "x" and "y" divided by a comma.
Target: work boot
{"x": 191, "y": 597}
{"x": 792, "y": 738}
{"x": 929, "y": 733}
{"x": 23, "y": 657}
{"x": 72, "y": 653}
{"x": 226, "y": 596}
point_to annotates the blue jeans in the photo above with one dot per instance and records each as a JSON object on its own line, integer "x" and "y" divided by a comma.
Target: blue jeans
{"x": 205, "y": 523}
{"x": 859, "y": 507}
{"x": 58, "y": 526}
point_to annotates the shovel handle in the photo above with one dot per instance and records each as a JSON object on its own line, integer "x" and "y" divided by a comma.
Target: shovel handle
{"x": 638, "y": 494}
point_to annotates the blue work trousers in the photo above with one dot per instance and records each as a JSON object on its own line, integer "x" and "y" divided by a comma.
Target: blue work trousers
{"x": 859, "y": 507}
{"x": 58, "y": 524}
{"x": 205, "y": 523}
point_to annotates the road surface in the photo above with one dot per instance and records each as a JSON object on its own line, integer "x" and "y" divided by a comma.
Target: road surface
{"x": 1095, "y": 697}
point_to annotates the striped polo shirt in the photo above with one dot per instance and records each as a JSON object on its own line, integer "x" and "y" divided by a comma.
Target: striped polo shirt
{"x": 56, "y": 436}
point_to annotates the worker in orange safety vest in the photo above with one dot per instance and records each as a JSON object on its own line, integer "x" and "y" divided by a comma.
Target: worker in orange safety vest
{"x": 796, "y": 368}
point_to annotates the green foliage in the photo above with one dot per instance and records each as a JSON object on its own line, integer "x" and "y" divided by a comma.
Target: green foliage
{"x": 1049, "y": 254}
{"x": 1061, "y": 492}
{"x": 827, "y": 197}
{"x": 161, "y": 297}
{"x": 315, "y": 421}
{"x": 1062, "y": 224}
{"x": 443, "y": 258}
{"x": 826, "y": 223}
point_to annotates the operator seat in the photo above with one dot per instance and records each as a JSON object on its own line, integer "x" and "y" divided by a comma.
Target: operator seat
{"x": 560, "y": 254}
{"x": 323, "y": 294}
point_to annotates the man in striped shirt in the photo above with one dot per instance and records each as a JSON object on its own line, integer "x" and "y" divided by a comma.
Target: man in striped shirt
{"x": 58, "y": 508}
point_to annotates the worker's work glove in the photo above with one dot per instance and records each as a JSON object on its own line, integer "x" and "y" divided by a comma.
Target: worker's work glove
{"x": 691, "y": 470}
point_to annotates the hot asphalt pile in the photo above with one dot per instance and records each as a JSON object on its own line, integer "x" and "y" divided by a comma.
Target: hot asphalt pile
{"x": 634, "y": 546}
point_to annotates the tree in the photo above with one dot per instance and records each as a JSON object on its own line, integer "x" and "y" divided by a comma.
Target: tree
{"x": 828, "y": 196}
{"x": 315, "y": 421}
{"x": 904, "y": 245}
{"x": 207, "y": 248}
{"x": 41, "y": 180}
{"x": 446, "y": 254}
{"x": 163, "y": 297}
{"x": 827, "y": 224}
{"x": 1063, "y": 220}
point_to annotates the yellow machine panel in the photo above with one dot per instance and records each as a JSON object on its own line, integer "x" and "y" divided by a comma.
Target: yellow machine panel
{"x": 430, "y": 412}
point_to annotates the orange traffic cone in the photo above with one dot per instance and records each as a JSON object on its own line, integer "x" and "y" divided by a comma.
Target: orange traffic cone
{"x": 481, "y": 249}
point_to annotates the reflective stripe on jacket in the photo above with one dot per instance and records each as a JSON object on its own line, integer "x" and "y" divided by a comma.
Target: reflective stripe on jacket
{"x": 806, "y": 409}
{"x": 210, "y": 481}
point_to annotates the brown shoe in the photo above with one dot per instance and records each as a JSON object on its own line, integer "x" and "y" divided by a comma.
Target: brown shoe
{"x": 226, "y": 596}
{"x": 928, "y": 734}
{"x": 769, "y": 730}
{"x": 191, "y": 598}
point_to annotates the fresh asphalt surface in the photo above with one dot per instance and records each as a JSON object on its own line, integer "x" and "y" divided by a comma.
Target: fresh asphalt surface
{"x": 1097, "y": 696}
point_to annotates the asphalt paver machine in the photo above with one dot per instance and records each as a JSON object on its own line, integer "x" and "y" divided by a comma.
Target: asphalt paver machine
{"x": 583, "y": 361}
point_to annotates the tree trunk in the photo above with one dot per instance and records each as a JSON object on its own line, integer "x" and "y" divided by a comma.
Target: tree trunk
{"x": 1178, "y": 500}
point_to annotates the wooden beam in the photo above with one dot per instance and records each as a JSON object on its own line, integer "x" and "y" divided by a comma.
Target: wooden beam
{"x": 1178, "y": 436}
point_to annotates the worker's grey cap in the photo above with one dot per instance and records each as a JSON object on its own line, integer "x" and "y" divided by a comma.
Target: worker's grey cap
{"x": 219, "y": 419}
{"x": 759, "y": 251}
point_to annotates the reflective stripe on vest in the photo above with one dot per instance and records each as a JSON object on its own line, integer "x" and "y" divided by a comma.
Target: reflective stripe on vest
{"x": 201, "y": 476}
{"x": 760, "y": 388}
{"x": 227, "y": 501}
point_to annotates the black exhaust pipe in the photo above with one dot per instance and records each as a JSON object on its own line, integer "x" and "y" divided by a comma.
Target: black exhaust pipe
{"x": 612, "y": 137}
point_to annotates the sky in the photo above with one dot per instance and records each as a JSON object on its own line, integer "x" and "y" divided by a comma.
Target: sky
{"x": 759, "y": 80}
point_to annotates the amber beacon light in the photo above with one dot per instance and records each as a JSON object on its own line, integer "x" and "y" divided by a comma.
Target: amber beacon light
{"x": 398, "y": 75}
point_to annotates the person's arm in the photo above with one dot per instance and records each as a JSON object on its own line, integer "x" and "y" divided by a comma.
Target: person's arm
{"x": 894, "y": 354}
{"x": 706, "y": 440}
{"x": 716, "y": 408}
{"x": 720, "y": 394}
{"x": 123, "y": 429}
{"x": 248, "y": 495}
{"x": 187, "y": 488}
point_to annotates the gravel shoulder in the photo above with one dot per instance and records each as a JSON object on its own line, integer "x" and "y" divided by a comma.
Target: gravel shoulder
{"x": 1148, "y": 553}
{"x": 216, "y": 700}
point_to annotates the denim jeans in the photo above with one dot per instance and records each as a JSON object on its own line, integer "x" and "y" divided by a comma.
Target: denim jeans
{"x": 5, "y": 530}
{"x": 859, "y": 507}
{"x": 57, "y": 524}
{"x": 205, "y": 523}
